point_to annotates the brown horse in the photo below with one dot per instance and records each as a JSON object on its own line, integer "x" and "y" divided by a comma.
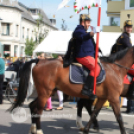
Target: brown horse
{"x": 48, "y": 74}
{"x": 87, "y": 103}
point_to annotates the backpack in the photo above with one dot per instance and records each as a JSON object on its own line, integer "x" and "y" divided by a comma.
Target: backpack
{"x": 70, "y": 55}
{"x": 114, "y": 49}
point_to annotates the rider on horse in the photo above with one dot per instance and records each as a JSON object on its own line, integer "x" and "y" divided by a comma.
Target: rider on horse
{"x": 85, "y": 52}
{"x": 123, "y": 42}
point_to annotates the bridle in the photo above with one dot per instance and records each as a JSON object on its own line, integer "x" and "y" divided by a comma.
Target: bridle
{"x": 121, "y": 66}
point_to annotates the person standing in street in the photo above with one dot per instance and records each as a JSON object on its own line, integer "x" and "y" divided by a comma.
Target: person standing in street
{"x": 60, "y": 93}
{"x": 2, "y": 71}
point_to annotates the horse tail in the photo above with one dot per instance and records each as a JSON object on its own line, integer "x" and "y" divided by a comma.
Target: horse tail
{"x": 23, "y": 84}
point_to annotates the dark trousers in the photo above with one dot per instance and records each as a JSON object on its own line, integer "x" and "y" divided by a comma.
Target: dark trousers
{"x": 130, "y": 106}
{"x": 1, "y": 87}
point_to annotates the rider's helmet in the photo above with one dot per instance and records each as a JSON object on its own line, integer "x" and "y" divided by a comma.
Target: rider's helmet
{"x": 84, "y": 17}
{"x": 128, "y": 22}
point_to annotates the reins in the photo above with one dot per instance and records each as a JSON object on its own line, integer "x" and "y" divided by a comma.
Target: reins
{"x": 123, "y": 66}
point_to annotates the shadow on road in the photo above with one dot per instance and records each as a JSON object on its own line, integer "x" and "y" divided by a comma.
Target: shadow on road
{"x": 61, "y": 126}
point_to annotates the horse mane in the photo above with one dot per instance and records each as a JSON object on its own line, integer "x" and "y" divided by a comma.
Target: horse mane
{"x": 117, "y": 56}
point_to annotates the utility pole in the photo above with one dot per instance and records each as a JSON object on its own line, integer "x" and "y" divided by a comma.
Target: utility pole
{"x": 88, "y": 10}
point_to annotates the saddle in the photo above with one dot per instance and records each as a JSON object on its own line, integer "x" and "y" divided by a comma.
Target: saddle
{"x": 78, "y": 74}
{"x": 128, "y": 79}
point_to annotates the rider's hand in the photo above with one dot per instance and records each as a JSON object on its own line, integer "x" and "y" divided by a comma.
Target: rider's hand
{"x": 91, "y": 34}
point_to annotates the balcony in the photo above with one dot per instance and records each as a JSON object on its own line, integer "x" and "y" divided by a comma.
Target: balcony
{"x": 115, "y": 6}
{"x": 111, "y": 29}
{"x": 5, "y": 34}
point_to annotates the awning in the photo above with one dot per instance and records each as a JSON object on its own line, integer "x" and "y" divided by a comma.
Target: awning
{"x": 57, "y": 42}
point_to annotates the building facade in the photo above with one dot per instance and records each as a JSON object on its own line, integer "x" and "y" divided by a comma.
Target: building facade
{"x": 17, "y": 23}
{"x": 117, "y": 11}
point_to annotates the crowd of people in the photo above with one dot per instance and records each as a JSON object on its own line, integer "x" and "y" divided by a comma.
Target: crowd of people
{"x": 2, "y": 71}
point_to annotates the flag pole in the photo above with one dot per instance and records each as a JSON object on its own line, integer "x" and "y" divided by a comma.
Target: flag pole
{"x": 97, "y": 45}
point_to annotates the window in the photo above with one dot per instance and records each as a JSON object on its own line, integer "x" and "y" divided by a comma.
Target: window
{"x": 23, "y": 32}
{"x": 114, "y": 21}
{"x": 32, "y": 34}
{"x": 33, "y": 11}
{"x": 15, "y": 50}
{"x": 22, "y": 51}
{"x": 27, "y": 33}
{"x": 131, "y": 3}
{"x": 115, "y": 0}
{"x": 17, "y": 30}
{"x": 5, "y": 29}
{"x": 6, "y": 50}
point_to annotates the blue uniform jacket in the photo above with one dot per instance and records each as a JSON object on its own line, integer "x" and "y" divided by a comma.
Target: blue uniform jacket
{"x": 85, "y": 45}
{"x": 124, "y": 41}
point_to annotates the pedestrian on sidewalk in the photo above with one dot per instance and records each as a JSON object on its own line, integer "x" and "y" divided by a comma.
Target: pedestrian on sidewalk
{"x": 2, "y": 72}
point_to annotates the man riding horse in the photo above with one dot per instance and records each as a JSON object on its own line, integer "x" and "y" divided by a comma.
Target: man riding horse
{"x": 85, "y": 52}
{"x": 122, "y": 43}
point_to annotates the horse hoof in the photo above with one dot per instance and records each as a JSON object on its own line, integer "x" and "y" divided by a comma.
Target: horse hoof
{"x": 97, "y": 129}
{"x": 81, "y": 129}
{"x": 39, "y": 132}
{"x": 32, "y": 129}
{"x": 86, "y": 130}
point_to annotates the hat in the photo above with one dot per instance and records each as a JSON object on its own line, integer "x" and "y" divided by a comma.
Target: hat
{"x": 128, "y": 23}
{"x": 85, "y": 17}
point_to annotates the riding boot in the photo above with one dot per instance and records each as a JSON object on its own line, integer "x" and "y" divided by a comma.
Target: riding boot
{"x": 88, "y": 88}
{"x": 130, "y": 107}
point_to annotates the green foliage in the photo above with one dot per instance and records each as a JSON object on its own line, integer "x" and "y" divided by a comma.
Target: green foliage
{"x": 30, "y": 45}
{"x": 40, "y": 33}
{"x": 55, "y": 55}
{"x": 113, "y": 23}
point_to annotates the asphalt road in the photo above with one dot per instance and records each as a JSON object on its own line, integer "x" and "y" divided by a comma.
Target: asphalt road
{"x": 62, "y": 122}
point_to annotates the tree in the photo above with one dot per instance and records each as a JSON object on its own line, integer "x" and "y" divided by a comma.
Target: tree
{"x": 64, "y": 26}
{"x": 55, "y": 55}
{"x": 113, "y": 23}
{"x": 40, "y": 33}
{"x": 30, "y": 45}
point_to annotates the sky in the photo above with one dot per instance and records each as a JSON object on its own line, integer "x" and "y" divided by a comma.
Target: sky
{"x": 50, "y": 8}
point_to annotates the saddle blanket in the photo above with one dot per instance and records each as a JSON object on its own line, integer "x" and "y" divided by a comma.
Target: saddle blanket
{"x": 78, "y": 74}
{"x": 128, "y": 79}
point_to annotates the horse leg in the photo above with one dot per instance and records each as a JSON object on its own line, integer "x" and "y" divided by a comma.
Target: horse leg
{"x": 33, "y": 126}
{"x": 80, "y": 105}
{"x": 36, "y": 110}
{"x": 88, "y": 105}
{"x": 97, "y": 109}
{"x": 116, "y": 109}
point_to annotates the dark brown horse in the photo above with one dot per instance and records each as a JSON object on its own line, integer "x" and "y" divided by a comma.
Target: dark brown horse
{"x": 48, "y": 74}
